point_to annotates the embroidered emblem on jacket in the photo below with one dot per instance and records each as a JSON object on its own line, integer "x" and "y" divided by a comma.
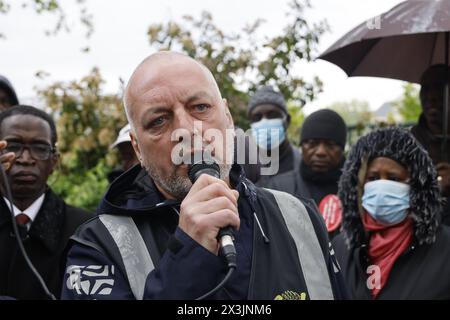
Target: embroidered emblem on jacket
{"x": 90, "y": 280}
{"x": 291, "y": 295}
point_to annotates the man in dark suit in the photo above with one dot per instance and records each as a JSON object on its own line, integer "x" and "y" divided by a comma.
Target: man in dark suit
{"x": 429, "y": 130}
{"x": 45, "y": 221}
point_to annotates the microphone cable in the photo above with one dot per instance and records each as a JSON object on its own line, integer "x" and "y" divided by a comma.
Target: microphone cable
{"x": 19, "y": 238}
{"x": 225, "y": 237}
{"x": 231, "y": 269}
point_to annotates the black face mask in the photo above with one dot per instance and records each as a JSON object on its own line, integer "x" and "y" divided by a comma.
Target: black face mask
{"x": 329, "y": 176}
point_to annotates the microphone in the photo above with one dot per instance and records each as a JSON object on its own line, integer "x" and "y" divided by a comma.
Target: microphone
{"x": 208, "y": 166}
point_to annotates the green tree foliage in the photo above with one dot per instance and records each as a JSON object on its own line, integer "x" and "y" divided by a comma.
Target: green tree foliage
{"x": 357, "y": 117}
{"x": 297, "y": 117}
{"x": 408, "y": 105}
{"x": 87, "y": 122}
{"x": 241, "y": 62}
{"x": 353, "y": 112}
{"x": 55, "y": 8}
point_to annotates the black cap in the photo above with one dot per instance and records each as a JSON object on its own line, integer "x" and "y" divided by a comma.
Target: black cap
{"x": 437, "y": 73}
{"x": 324, "y": 124}
{"x": 6, "y": 85}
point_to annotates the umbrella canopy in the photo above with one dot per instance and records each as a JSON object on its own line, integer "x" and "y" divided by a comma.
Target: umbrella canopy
{"x": 400, "y": 44}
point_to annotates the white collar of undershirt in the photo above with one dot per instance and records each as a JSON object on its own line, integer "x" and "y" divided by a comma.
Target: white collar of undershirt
{"x": 32, "y": 210}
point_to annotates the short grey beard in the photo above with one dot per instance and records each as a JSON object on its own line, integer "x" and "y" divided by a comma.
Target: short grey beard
{"x": 175, "y": 185}
{"x": 179, "y": 186}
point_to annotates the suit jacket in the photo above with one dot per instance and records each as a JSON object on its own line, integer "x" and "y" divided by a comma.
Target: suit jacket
{"x": 44, "y": 242}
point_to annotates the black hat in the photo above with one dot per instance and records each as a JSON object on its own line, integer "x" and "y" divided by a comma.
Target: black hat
{"x": 6, "y": 85}
{"x": 437, "y": 73}
{"x": 324, "y": 124}
{"x": 267, "y": 95}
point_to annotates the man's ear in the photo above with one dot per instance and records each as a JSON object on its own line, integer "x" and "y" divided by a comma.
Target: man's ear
{"x": 287, "y": 121}
{"x": 55, "y": 159}
{"x": 135, "y": 145}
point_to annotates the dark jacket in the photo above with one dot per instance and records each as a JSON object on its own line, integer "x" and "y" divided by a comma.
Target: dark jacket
{"x": 6, "y": 85}
{"x": 286, "y": 161}
{"x": 285, "y": 180}
{"x": 432, "y": 143}
{"x": 419, "y": 273}
{"x": 297, "y": 183}
{"x": 268, "y": 264}
{"x": 44, "y": 243}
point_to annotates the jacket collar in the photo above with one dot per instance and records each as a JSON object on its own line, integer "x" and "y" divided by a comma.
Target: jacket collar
{"x": 134, "y": 192}
{"x": 422, "y": 129}
{"x": 47, "y": 227}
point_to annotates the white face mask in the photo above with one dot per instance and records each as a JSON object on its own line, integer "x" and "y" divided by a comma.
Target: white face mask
{"x": 268, "y": 133}
{"x": 386, "y": 201}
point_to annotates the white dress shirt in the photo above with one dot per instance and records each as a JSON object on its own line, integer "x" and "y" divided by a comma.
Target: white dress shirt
{"x": 31, "y": 211}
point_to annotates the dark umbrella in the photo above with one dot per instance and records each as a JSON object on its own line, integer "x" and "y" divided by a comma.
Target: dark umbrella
{"x": 400, "y": 44}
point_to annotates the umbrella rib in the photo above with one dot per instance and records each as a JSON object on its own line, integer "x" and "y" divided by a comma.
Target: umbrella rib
{"x": 374, "y": 42}
{"x": 434, "y": 48}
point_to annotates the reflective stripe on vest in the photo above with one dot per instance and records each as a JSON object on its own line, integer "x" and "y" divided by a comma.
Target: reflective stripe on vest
{"x": 132, "y": 248}
{"x": 138, "y": 263}
{"x": 309, "y": 251}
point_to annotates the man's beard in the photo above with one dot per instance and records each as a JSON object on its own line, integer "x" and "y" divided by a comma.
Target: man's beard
{"x": 178, "y": 185}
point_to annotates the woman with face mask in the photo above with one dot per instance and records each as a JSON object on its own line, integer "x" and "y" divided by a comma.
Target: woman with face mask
{"x": 392, "y": 244}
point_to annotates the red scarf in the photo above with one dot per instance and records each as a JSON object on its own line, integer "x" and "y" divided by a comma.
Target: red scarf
{"x": 386, "y": 244}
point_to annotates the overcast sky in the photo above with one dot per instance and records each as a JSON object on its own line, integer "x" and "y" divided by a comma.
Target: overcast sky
{"x": 120, "y": 42}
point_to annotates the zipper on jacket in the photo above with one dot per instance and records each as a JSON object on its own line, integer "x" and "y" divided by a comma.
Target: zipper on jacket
{"x": 252, "y": 267}
{"x": 250, "y": 201}
{"x": 176, "y": 211}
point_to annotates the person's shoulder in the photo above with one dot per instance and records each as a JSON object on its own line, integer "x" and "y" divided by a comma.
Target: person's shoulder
{"x": 286, "y": 201}
{"x": 76, "y": 216}
{"x": 270, "y": 195}
{"x": 72, "y": 214}
{"x": 80, "y": 213}
{"x": 266, "y": 191}
{"x": 92, "y": 233}
{"x": 419, "y": 130}
{"x": 89, "y": 227}
{"x": 339, "y": 243}
{"x": 439, "y": 251}
{"x": 443, "y": 237}
{"x": 91, "y": 239}
{"x": 275, "y": 181}
{"x": 339, "y": 239}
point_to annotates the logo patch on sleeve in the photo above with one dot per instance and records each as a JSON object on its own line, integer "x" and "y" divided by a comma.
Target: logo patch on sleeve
{"x": 90, "y": 280}
{"x": 291, "y": 295}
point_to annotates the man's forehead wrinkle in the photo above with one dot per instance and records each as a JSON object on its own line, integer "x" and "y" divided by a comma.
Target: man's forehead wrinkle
{"x": 155, "y": 100}
{"x": 155, "y": 96}
{"x": 159, "y": 92}
{"x": 152, "y": 70}
{"x": 165, "y": 97}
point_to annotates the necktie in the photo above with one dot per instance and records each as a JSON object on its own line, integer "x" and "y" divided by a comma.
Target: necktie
{"x": 22, "y": 219}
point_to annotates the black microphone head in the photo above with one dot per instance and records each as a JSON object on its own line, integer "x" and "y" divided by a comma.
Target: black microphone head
{"x": 206, "y": 165}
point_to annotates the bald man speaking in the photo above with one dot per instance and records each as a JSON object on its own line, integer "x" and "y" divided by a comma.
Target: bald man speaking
{"x": 156, "y": 233}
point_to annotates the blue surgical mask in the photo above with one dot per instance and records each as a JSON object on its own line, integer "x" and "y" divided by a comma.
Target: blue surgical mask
{"x": 268, "y": 133}
{"x": 386, "y": 201}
